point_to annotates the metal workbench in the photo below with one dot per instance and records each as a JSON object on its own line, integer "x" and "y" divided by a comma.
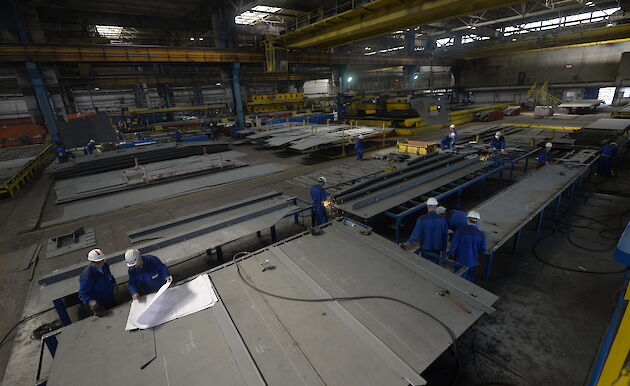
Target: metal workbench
{"x": 177, "y": 241}
{"x": 251, "y": 338}
{"x": 505, "y": 214}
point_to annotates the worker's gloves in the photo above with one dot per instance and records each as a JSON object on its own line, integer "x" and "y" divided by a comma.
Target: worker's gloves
{"x": 98, "y": 310}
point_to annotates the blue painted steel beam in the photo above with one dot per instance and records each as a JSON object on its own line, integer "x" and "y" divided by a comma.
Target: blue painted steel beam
{"x": 36, "y": 77}
{"x": 238, "y": 100}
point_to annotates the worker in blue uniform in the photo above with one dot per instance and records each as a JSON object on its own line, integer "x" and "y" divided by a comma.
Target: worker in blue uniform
{"x": 468, "y": 242}
{"x": 608, "y": 153}
{"x": 498, "y": 142}
{"x": 453, "y": 131}
{"x": 62, "y": 153}
{"x": 97, "y": 285}
{"x": 448, "y": 141}
{"x": 89, "y": 148}
{"x": 545, "y": 157}
{"x": 455, "y": 219}
{"x": 214, "y": 136}
{"x": 146, "y": 273}
{"x": 431, "y": 231}
{"x": 358, "y": 146}
{"x": 319, "y": 196}
{"x": 178, "y": 136}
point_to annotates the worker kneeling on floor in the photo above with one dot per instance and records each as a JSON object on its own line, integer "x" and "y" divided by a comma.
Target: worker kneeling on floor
{"x": 146, "y": 273}
{"x": 468, "y": 242}
{"x": 97, "y": 284}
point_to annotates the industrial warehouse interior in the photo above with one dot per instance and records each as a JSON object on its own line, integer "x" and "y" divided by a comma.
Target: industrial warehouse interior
{"x": 300, "y": 192}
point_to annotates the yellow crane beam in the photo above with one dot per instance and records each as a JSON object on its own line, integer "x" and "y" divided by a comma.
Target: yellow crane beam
{"x": 551, "y": 41}
{"x": 380, "y": 17}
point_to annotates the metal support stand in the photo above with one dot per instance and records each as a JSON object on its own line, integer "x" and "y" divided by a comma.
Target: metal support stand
{"x": 557, "y": 207}
{"x": 62, "y": 311}
{"x": 526, "y": 164}
{"x": 51, "y": 343}
{"x": 517, "y": 240}
{"x": 258, "y": 234}
{"x": 219, "y": 254}
{"x": 274, "y": 237}
{"x": 540, "y": 220}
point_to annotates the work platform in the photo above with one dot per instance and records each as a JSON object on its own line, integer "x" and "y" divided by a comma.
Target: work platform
{"x": 19, "y": 165}
{"x": 175, "y": 242}
{"x": 505, "y": 214}
{"x": 251, "y": 337}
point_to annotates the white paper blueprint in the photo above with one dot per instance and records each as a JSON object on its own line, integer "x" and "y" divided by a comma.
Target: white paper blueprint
{"x": 171, "y": 303}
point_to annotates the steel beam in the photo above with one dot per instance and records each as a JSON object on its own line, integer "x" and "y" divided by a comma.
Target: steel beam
{"x": 39, "y": 52}
{"x": 379, "y": 17}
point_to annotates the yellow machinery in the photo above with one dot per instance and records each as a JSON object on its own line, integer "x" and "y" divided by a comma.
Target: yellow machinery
{"x": 276, "y": 102}
{"x": 416, "y": 147}
{"x": 541, "y": 95}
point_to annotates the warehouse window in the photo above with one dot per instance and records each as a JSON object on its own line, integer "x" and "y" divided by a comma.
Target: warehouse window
{"x": 109, "y": 31}
{"x": 256, "y": 15}
{"x": 471, "y": 38}
{"x": 567, "y": 21}
{"x": 607, "y": 94}
{"x": 444, "y": 42}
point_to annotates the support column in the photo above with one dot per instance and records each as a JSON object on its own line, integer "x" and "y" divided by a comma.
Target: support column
{"x": 167, "y": 93}
{"x": 238, "y": 101}
{"x": 46, "y": 110}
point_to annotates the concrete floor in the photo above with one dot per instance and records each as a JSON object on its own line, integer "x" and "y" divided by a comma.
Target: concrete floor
{"x": 548, "y": 321}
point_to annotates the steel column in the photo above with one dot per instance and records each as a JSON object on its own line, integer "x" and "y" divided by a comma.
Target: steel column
{"x": 238, "y": 101}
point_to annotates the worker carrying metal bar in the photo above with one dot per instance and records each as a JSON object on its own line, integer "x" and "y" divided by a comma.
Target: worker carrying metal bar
{"x": 431, "y": 231}
{"x": 358, "y": 146}
{"x": 97, "y": 285}
{"x": 468, "y": 242}
{"x": 498, "y": 142}
{"x": 319, "y": 196}
{"x": 608, "y": 153}
{"x": 545, "y": 157}
{"x": 89, "y": 147}
{"x": 448, "y": 141}
{"x": 146, "y": 273}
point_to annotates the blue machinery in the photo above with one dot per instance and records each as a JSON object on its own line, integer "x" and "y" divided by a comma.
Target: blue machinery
{"x": 612, "y": 366}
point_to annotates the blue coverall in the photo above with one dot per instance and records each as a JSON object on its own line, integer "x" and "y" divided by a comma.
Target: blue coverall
{"x": 608, "y": 152}
{"x": 358, "y": 146}
{"x": 213, "y": 132}
{"x": 319, "y": 194}
{"x": 447, "y": 142}
{"x": 178, "y": 136}
{"x": 456, "y": 218}
{"x": 96, "y": 285}
{"x": 148, "y": 278}
{"x": 498, "y": 144}
{"x": 454, "y": 131}
{"x": 89, "y": 148}
{"x": 467, "y": 243}
{"x": 544, "y": 157}
{"x": 62, "y": 154}
{"x": 432, "y": 231}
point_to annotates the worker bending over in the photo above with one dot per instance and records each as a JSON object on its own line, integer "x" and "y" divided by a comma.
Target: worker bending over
{"x": 467, "y": 243}
{"x": 97, "y": 284}
{"x": 448, "y": 141}
{"x": 608, "y": 153}
{"x": 358, "y": 146}
{"x": 498, "y": 142}
{"x": 319, "y": 195}
{"x": 431, "y": 231}
{"x": 146, "y": 273}
{"x": 545, "y": 157}
{"x": 89, "y": 148}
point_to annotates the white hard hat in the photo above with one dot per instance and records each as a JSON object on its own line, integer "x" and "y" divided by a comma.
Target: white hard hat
{"x": 432, "y": 201}
{"x": 497, "y": 134}
{"x": 473, "y": 214}
{"x": 322, "y": 179}
{"x": 360, "y": 137}
{"x": 91, "y": 140}
{"x": 452, "y": 135}
{"x": 96, "y": 255}
{"x": 131, "y": 257}
{"x": 548, "y": 144}
{"x": 440, "y": 210}
{"x": 452, "y": 126}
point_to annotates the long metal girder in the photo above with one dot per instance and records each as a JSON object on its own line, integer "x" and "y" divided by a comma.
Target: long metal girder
{"x": 548, "y": 41}
{"x": 38, "y": 52}
{"x": 380, "y": 17}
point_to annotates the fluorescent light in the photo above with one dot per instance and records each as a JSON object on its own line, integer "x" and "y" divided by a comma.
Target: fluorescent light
{"x": 218, "y": 84}
{"x": 96, "y": 88}
{"x": 415, "y": 77}
{"x": 200, "y": 38}
{"x": 192, "y": 38}
{"x": 367, "y": 48}
{"x": 513, "y": 39}
{"x": 349, "y": 79}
